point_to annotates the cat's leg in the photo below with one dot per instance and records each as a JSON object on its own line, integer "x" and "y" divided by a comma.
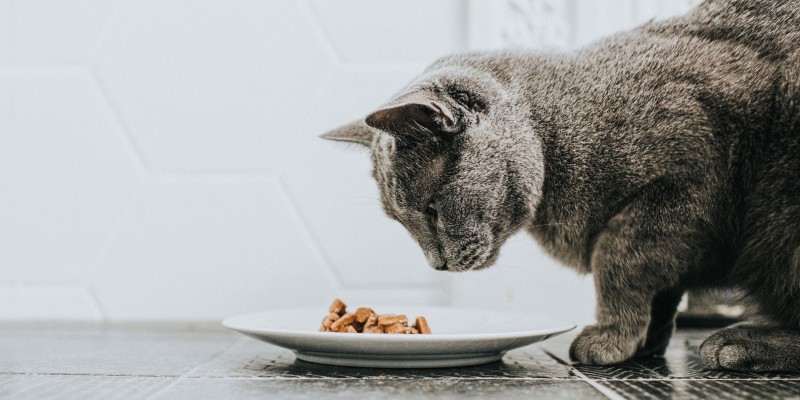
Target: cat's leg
{"x": 752, "y": 348}
{"x": 662, "y": 323}
{"x": 645, "y": 250}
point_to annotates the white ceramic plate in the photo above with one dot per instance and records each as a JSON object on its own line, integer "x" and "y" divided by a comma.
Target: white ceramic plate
{"x": 460, "y": 337}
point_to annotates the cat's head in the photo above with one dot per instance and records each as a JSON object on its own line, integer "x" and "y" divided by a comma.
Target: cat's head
{"x": 456, "y": 163}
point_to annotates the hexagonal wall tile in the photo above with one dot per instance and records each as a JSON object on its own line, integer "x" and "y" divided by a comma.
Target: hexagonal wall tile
{"x": 66, "y": 175}
{"x": 204, "y": 250}
{"x": 214, "y": 86}
{"x": 331, "y": 185}
{"x": 51, "y": 31}
{"x": 416, "y": 31}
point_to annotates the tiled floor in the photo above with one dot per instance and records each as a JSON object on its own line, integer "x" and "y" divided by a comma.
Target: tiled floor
{"x": 168, "y": 362}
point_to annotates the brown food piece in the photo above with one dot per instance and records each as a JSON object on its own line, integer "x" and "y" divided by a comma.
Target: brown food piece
{"x": 341, "y": 324}
{"x": 374, "y": 329}
{"x": 350, "y": 329}
{"x": 422, "y": 326}
{"x": 396, "y": 328}
{"x": 333, "y": 316}
{"x": 386, "y": 320}
{"x": 337, "y": 307}
{"x": 326, "y": 322}
{"x": 363, "y": 313}
{"x": 372, "y": 321}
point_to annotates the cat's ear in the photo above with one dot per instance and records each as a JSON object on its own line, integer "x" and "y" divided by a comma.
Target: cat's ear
{"x": 416, "y": 112}
{"x": 354, "y": 132}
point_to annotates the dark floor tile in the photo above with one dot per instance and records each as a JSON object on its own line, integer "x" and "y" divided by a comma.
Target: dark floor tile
{"x": 706, "y": 389}
{"x": 377, "y": 387}
{"x": 81, "y": 387}
{"x": 97, "y": 351}
{"x": 254, "y": 359}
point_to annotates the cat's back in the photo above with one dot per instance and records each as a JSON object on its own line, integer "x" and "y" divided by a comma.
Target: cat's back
{"x": 689, "y": 97}
{"x": 727, "y": 41}
{"x": 719, "y": 61}
{"x": 771, "y": 28}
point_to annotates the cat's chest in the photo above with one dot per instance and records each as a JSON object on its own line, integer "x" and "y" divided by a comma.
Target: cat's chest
{"x": 566, "y": 241}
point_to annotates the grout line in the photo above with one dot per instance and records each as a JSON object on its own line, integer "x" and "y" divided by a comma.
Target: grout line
{"x": 600, "y": 388}
{"x": 97, "y": 304}
{"x": 321, "y": 33}
{"x": 86, "y": 375}
{"x": 315, "y": 105}
{"x": 319, "y": 253}
{"x": 107, "y": 31}
{"x": 212, "y": 177}
{"x": 307, "y": 234}
{"x": 121, "y": 221}
{"x": 373, "y": 66}
{"x": 14, "y": 71}
{"x": 412, "y": 68}
{"x": 49, "y": 391}
{"x": 114, "y": 233}
{"x": 116, "y": 114}
{"x": 121, "y": 392}
{"x": 195, "y": 368}
{"x": 557, "y": 358}
{"x": 9, "y": 17}
{"x": 464, "y": 29}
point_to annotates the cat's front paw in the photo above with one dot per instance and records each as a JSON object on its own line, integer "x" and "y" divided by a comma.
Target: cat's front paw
{"x": 601, "y": 346}
{"x": 728, "y": 349}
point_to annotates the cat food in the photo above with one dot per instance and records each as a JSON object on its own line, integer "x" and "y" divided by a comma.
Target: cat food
{"x": 365, "y": 320}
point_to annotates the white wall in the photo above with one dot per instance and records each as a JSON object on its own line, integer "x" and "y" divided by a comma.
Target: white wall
{"x": 159, "y": 159}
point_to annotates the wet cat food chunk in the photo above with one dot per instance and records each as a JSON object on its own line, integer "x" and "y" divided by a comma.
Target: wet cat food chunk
{"x": 365, "y": 320}
{"x": 396, "y": 328}
{"x": 375, "y": 329}
{"x": 337, "y": 307}
{"x": 421, "y": 325}
{"x": 363, "y": 313}
{"x": 342, "y": 323}
{"x": 387, "y": 320}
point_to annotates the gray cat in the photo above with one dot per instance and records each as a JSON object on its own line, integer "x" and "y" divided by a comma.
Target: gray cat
{"x": 659, "y": 159}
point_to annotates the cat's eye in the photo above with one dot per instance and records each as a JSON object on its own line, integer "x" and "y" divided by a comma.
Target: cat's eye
{"x": 431, "y": 211}
{"x": 467, "y": 99}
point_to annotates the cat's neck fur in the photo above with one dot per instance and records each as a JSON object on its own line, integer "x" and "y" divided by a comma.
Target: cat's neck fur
{"x": 551, "y": 87}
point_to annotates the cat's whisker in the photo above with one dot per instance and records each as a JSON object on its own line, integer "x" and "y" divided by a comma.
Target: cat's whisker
{"x": 554, "y": 224}
{"x": 499, "y": 241}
